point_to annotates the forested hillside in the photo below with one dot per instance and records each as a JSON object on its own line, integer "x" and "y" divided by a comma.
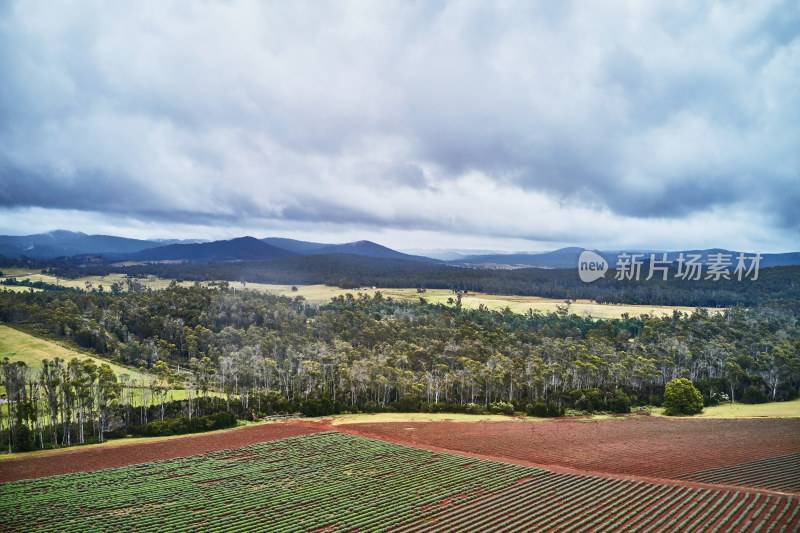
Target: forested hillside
{"x": 264, "y": 352}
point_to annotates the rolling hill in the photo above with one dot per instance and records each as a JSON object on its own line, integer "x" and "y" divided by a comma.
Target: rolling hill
{"x": 242, "y": 248}
{"x": 367, "y": 249}
{"x": 361, "y": 248}
{"x": 293, "y": 245}
{"x": 61, "y": 243}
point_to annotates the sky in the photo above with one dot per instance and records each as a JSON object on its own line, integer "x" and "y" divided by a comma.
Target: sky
{"x": 522, "y": 126}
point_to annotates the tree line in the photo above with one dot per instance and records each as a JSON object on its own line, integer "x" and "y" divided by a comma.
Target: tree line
{"x": 350, "y": 271}
{"x": 255, "y": 354}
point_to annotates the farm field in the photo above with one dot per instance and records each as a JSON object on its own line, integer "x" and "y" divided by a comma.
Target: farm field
{"x": 517, "y": 304}
{"x": 777, "y": 473}
{"x": 334, "y": 482}
{"x": 654, "y": 447}
{"x": 321, "y": 294}
{"x": 117, "y": 453}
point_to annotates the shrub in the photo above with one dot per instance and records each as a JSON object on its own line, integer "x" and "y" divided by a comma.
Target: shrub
{"x": 543, "y": 410}
{"x": 474, "y": 409}
{"x": 553, "y": 410}
{"x": 408, "y": 403}
{"x": 539, "y": 409}
{"x": 754, "y": 395}
{"x": 588, "y": 400}
{"x": 655, "y": 401}
{"x": 313, "y": 407}
{"x": 620, "y": 403}
{"x": 24, "y": 440}
{"x": 179, "y": 426}
{"x": 372, "y": 407}
{"x": 682, "y": 398}
{"x": 501, "y": 408}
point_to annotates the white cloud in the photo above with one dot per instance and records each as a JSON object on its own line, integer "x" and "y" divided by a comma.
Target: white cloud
{"x": 631, "y": 124}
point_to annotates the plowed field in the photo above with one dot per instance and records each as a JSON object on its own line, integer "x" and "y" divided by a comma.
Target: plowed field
{"x": 651, "y": 446}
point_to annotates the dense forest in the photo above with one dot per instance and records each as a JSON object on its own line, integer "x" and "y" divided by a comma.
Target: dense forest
{"x": 255, "y": 354}
{"x": 350, "y": 271}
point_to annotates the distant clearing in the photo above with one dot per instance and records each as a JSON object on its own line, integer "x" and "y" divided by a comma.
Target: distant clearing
{"x": 472, "y": 300}
{"x": 80, "y": 283}
{"x": 321, "y": 294}
{"x": 18, "y": 288}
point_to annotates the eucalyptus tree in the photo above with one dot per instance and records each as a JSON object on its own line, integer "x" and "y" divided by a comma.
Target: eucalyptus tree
{"x": 106, "y": 391}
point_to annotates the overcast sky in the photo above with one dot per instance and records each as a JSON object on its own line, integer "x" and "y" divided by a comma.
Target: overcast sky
{"x": 432, "y": 124}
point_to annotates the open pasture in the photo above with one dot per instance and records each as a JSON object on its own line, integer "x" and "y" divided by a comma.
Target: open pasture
{"x": 518, "y": 304}
{"x": 335, "y": 482}
{"x": 90, "y": 282}
{"x": 21, "y": 346}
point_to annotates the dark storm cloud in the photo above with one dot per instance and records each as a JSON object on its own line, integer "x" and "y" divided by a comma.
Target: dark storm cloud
{"x": 400, "y": 114}
{"x": 56, "y": 190}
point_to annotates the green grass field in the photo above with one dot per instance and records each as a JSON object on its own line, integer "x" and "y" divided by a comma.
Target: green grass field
{"x": 762, "y": 410}
{"x": 741, "y": 410}
{"x": 20, "y": 346}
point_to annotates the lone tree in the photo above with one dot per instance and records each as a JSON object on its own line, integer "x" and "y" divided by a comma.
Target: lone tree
{"x": 682, "y": 398}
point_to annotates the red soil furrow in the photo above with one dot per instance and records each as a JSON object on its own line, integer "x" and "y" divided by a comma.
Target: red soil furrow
{"x": 113, "y": 454}
{"x": 651, "y": 447}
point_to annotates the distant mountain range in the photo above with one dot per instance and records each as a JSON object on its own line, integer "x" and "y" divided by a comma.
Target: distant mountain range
{"x": 563, "y": 258}
{"x": 568, "y": 258}
{"x": 62, "y": 243}
{"x": 252, "y": 249}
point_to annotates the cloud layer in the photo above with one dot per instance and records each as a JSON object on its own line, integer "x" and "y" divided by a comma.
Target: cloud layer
{"x": 575, "y": 123}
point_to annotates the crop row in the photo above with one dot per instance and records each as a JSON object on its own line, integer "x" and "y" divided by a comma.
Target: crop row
{"x": 292, "y": 484}
{"x": 601, "y": 504}
{"x": 347, "y": 483}
{"x": 776, "y": 473}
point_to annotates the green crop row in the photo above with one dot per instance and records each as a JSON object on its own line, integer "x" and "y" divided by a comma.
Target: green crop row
{"x": 777, "y": 473}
